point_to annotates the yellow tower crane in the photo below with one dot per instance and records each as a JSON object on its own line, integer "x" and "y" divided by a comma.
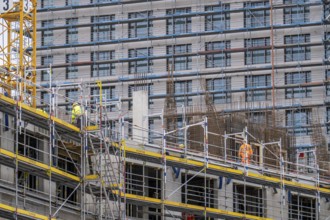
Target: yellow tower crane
{"x": 18, "y": 49}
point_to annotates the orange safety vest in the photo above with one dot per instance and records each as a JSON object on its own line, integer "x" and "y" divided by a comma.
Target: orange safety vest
{"x": 245, "y": 152}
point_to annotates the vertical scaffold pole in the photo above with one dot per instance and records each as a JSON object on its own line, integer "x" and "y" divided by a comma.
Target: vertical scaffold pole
{"x": 225, "y": 153}
{"x": 282, "y": 180}
{"x": 52, "y": 136}
{"x": 84, "y": 159}
{"x": 318, "y": 196}
{"x": 185, "y": 131}
{"x": 16, "y": 160}
{"x": 99, "y": 84}
{"x": 206, "y": 163}
{"x": 245, "y": 167}
{"x": 164, "y": 166}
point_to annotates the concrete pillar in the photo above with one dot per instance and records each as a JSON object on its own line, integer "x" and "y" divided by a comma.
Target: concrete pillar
{"x": 140, "y": 116}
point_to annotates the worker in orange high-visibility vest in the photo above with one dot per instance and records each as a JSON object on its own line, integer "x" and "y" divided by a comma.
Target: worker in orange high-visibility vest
{"x": 245, "y": 153}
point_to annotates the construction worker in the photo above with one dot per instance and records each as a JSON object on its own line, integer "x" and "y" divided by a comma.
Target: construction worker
{"x": 76, "y": 114}
{"x": 245, "y": 153}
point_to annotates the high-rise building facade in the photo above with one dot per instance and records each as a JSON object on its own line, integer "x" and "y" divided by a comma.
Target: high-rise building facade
{"x": 256, "y": 57}
{"x": 267, "y": 60}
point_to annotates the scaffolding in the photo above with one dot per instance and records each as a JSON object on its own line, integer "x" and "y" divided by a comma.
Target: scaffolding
{"x": 98, "y": 171}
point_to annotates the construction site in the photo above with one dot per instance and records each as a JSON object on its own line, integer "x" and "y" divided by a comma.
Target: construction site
{"x": 188, "y": 110}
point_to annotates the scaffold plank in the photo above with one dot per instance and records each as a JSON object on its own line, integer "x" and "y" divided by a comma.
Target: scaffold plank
{"x": 22, "y": 212}
{"x": 38, "y": 114}
{"x": 39, "y": 165}
{"x": 223, "y": 170}
{"x": 184, "y": 206}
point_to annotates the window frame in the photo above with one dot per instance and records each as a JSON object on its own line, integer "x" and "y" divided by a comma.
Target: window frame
{"x": 104, "y": 69}
{"x": 183, "y": 62}
{"x": 71, "y": 32}
{"x": 256, "y": 81}
{"x": 296, "y": 15}
{"x": 218, "y": 96}
{"x": 257, "y": 51}
{"x": 181, "y": 97}
{"x": 224, "y": 57}
{"x": 297, "y": 125}
{"x": 134, "y": 28}
{"x": 47, "y": 36}
{"x": 255, "y": 13}
{"x": 102, "y": 32}
{"x": 106, "y": 91}
{"x": 223, "y": 18}
{"x": 178, "y": 25}
{"x": 71, "y": 69}
{"x": 45, "y": 76}
{"x": 294, "y": 53}
{"x": 138, "y": 65}
{"x": 292, "y": 78}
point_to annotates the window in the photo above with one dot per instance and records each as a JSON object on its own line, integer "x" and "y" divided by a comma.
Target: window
{"x": 66, "y": 164}
{"x": 257, "y": 51}
{"x": 301, "y": 207}
{"x": 219, "y": 59}
{"x": 219, "y": 89}
{"x": 179, "y": 62}
{"x": 181, "y": 91}
{"x": 71, "y": 71}
{"x": 129, "y": 128}
{"x": 143, "y": 64}
{"x": 327, "y": 46}
{"x": 253, "y": 84}
{"x": 194, "y": 192}
{"x": 298, "y": 13}
{"x": 72, "y": 32}
{"x": 64, "y": 191}
{"x": 104, "y": 68}
{"x": 151, "y": 131}
{"x": 26, "y": 180}
{"x": 299, "y": 119}
{"x": 71, "y": 95}
{"x": 47, "y": 3}
{"x": 328, "y": 122}
{"x": 298, "y": 78}
{"x": 138, "y": 184}
{"x": 258, "y": 117}
{"x": 72, "y": 2}
{"x": 102, "y": 32}
{"x": 44, "y": 97}
{"x": 47, "y": 35}
{"x": 178, "y": 25}
{"x": 326, "y": 11}
{"x": 140, "y": 28}
{"x": 108, "y": 93}
{"x": 254, "y": 16}
{"x": 327, "y": 79}
{"x": 219, "y": 21}
{"x": 297, "y": 52}
{"x": 134, "y": 179}
{"x": 28, "y": 146}
{"x": 248, "y": 200}
{"x": 145, "y": 87}
{"x": 46, "y": 61}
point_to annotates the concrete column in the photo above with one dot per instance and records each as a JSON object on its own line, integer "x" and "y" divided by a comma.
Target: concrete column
{"x": 140, "y": 116}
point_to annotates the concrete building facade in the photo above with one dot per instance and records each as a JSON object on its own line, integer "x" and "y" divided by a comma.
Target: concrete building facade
{"x": 267, "y": 60}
